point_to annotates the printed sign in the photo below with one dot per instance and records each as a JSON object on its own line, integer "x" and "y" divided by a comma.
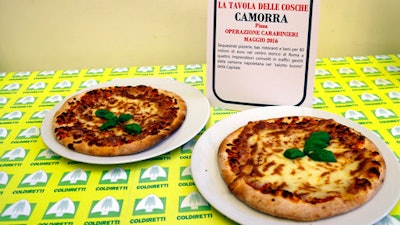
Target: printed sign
{"x": 261, "y": 52}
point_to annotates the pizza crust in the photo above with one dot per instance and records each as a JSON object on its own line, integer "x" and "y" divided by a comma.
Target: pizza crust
{"x": 287, "y": 204}
{"x": 223, "y": 158}
{"x": 300, "y": 211}
{"x": 112, "y": 145}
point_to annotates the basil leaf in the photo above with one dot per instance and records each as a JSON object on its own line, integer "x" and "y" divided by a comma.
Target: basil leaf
{"x": 320, "y": 135}
{"x": 322, "y": 155}
{"x": 124, "y": 117}
{"x": 108, "y": 124}
{"x": 317, "y": 140}
{"x": 105, "y": 114}
{"x": 314, "y": 144}
{"x": 293, "y": 153}
{"x": 314, "y": 148}
{"x": 133, "y": 128}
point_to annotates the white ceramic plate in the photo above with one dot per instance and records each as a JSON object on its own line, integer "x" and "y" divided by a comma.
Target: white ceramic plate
{"x": 198, "y": 112}
{"x": 207, "y": 178}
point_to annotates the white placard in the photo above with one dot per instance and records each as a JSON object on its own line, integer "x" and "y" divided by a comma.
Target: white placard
{"x": 261, "y": 52}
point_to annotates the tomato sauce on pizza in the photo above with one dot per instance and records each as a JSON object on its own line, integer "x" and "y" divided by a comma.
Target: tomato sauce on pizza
{"x": 118, "y": 120}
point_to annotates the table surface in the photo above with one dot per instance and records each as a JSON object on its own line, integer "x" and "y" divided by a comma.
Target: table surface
{"x": 38, "y": 186}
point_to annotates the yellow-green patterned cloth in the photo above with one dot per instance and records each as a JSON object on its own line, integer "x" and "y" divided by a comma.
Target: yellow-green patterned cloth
{"x": 38, "y": 186}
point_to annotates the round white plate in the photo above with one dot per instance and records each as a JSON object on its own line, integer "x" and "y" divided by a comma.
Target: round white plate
{"x": 207, "y": 178}
{"x": 198, "y": 112}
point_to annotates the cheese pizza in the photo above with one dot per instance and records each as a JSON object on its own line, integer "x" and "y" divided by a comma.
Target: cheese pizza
{"x": 118, "y": 120}
{"x": 301, "y": 168}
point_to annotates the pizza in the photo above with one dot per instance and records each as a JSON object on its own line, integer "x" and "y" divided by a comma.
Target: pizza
{"x": 301, "y": 168}
{"x": 118, "y": 120}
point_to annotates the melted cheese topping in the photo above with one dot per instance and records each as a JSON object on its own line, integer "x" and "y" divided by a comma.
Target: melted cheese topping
{"x": 302, "y": 176}
{"x": 258, "y": 155}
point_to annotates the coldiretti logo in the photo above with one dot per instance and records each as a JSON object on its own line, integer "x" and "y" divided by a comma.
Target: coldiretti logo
{"x": 3, "y": 133}
{"x": 153, "y": 173}
{"x": 4, "y": 178}
{"x": 151, "y": 204}
{"x": 65, "y": 84}
{"x": 392, "y": 68}
{"x": 186, "y": 173}
{"x": 95, "y": 71}
{"x": 47, "y": 154}
{"x": 120, "y": 70}
{"x": 3, "y": 100}
{"x": 27, "y": 100}
{"x": 47, "y": 73}
{"x": 382, "y": 113}
{"x": 361, "y": 59}
{"x": 70, "y": 72}
{"x": 369, "y": 97}
{"x": 370, "y": 70}
{"x": 38, "y": 178}
{"x": 64, "y": 208}
{"x": 337, "y": 59}
{"x": 346, "y": 71}
{"x": 331, "y": 85}
{"x": 194, "y": 79}
{"x": 186, "y": 149}
{"x": 106, "y": 207}
{"x": 383, "y": 83}
{"x": 395, "y": 131}
{"x": 88, "y": 83}
{"x": 322, "y": 73}
{"x": 52, "y": 99}
{"x": 15, "y": 115}
{"x": 37, "y": 86}
{"x": 31, "y": 132}
{"x": 11, "y": 87}
{"x": 193, "y": 67}
{"x": 394, "y": 95}
{"x": 115, "y": 176}
{"x": 75, "y": 177}
{"x": 341, "y": 99}
{"x": 189, "y": 146}
{"x": 357, "y": 84}
{"x": 145, "y": 69}
{"x": 383, "y": 57}
{"x": 193, "y": 202}
{"x": 169, "y": 68}
{"x": 16, "y": 154}
{"x": 318, "y": 101}
{"x": 18, "y": 211}
{"x": 22, "y": 74}
{"x": 354, "y": 115}
{"x": 39, "y": 114}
